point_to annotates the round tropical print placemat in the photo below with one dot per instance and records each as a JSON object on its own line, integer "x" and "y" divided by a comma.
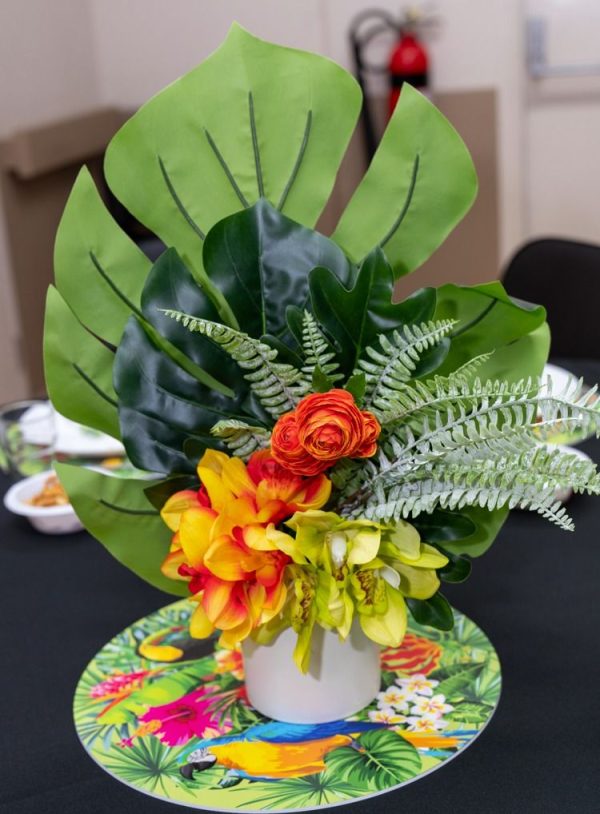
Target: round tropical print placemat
{"x": 168, "y": 715}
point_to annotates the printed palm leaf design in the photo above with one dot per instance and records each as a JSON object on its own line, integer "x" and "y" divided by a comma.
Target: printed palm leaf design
{"x": 384, "y": 759}
{"x": 315, "y": 790}
{"x": 148, "y": 765}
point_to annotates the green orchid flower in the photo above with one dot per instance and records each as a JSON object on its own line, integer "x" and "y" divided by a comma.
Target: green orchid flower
{"x": 326, "y": 539}
{"x": 415, "y": 562}
{"x": 380, "y": 605}
{"x": 342, "y": 569}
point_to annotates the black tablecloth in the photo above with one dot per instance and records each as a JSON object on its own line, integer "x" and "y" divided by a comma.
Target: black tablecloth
{"x": 536, "y": 594}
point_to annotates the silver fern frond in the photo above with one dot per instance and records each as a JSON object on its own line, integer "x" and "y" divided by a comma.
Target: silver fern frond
{"x": 278, "y": 386}
{"x": 413, "y": 498}
{"x": 241, "y": 438}
{"x": 390, "y": 366}
{"x": 317, "y": 351}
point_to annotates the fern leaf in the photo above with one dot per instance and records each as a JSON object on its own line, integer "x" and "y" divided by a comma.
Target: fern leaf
{"x": 465, "y": 373}
{"x": 241, "y": 438}
{"x": 278, "y": 386}
{"x": 410, "y": 499}
{"x": 317, "y": 351}
{"x": 478, "y": 450}
{"x": 388, "y": 367}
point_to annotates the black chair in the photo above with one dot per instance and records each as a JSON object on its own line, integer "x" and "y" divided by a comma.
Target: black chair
{"x": 563, "y": 276}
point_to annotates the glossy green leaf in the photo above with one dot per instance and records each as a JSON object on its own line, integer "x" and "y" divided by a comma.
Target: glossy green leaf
{"x": 470, "y": 531}
{"x": 171, "y": 286}
{"x": 442, "y": 526}
{"x": 420, "y": 183}
{"x": 487, "y": 526}
{"x": 260, "y": 260}
{"x": 161, "y": 406}
{"x": 253, "y": 120}
{"x": 458, "y": 568}
{"x": 117, "y": 513}
{"x": 354, "y": 317}
{"x": 489, "y": 320}
{"x": 433, "y": 612}
{"x": 78, "y": 369}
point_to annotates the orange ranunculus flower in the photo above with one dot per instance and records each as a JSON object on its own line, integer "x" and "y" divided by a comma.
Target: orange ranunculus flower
{"x": 287, "y": 449}
{"x": 415, "y": 655}
{"x": 224, "y": 541}
{"x": 323, "y": 428}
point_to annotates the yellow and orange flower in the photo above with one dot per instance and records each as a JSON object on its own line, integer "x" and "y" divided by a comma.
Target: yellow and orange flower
{"x": 324, "y": 428}
{"x": 224, "y": 541}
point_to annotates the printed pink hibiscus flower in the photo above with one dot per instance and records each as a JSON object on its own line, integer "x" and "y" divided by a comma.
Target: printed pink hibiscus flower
{"x": 188, "y": 717}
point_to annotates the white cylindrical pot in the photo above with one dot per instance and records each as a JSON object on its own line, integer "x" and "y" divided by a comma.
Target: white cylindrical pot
{"x": 342, "y": 679}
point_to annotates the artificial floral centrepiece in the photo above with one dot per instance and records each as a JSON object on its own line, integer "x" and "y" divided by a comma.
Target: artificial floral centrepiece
{"x": 321, "y": 455}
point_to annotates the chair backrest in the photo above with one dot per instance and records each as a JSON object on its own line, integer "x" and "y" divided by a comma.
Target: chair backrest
{"x": 563, "y": 276}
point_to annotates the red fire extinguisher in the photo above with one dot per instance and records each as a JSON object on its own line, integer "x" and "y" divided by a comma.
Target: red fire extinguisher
{"x": 408, "y": 63}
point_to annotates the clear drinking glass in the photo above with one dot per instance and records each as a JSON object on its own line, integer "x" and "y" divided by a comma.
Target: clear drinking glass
{"x": 27, "y": 437}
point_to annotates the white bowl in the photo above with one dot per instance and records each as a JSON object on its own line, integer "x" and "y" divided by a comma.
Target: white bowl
{"x": 47, "y": 519}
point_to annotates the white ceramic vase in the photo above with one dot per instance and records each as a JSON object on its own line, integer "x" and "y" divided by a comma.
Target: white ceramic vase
{"x": 343, "y": 677}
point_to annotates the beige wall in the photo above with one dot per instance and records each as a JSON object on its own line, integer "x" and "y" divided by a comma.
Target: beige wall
{"x": 47, "y": 70}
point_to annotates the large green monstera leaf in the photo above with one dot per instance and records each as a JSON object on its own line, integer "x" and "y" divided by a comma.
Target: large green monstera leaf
{"x": 231, "y": 166}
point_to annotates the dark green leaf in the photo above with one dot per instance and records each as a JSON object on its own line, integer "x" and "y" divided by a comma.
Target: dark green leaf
{"x": 354, "y": 317}
{"x": 470, "y": 531}
{"x": 160, "y": 405}
{"x": 171, "y": 286}
{"x": 385, "y": 760}
{"x": 441, "y": 526}
{"x": 260, "y": 260}
{"x": 356, "y": 385}
{"x": 295, "y": 322}
{"x": 433, "y": 612}
{"x": 487, "y": 526}
{"x": 457, "y": 570}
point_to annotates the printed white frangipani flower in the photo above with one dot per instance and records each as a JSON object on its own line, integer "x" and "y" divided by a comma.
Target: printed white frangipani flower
{"x": 386, "y": 716}
{"x": 396, "y": 698}
{"x": 434, "y": 705}
{"x": 426, "y": 723}
{"x": 417, "y": 684}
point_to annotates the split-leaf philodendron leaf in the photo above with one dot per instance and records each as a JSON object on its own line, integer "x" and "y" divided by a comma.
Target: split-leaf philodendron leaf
{"x": 231, "y": 166}
{"x": 118, "y": 514}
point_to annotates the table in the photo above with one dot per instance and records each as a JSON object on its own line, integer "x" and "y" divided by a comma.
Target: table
{"x": 535, "y": 593}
